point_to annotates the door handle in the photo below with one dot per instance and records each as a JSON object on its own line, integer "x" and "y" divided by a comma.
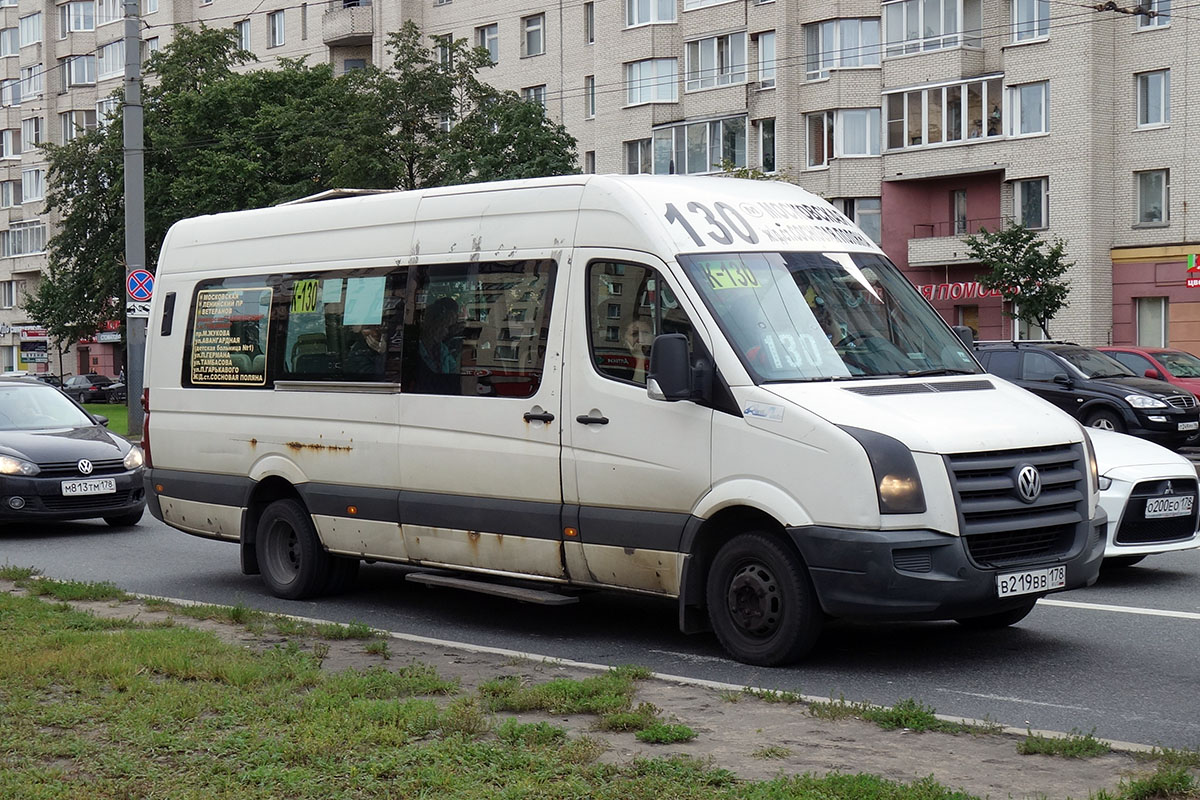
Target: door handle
{"x": 544, "y": 416}
{"x": 587, "y": 420}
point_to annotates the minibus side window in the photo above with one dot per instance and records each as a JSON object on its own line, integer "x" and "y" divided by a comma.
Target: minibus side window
{"x": 629, "y": 304}
{"x": 477, "y": 329}
{"x": 227, "y": 338}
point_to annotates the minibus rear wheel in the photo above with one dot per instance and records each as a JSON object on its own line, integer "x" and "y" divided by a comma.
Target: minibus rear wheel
{"x": 293, "y": 563}
{"x": 761, "y": 601}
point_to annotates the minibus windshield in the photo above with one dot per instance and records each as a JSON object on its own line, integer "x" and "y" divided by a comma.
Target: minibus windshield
{"x": 824, "y": 316}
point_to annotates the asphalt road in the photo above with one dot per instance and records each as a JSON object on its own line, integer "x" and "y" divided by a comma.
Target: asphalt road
{"x": 1120, "y": 658}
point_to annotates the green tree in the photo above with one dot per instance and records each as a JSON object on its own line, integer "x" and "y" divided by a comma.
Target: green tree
{"x": 1026, "y": 270}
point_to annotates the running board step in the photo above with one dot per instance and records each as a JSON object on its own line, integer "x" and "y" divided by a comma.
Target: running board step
{"x": 539, "y": 596}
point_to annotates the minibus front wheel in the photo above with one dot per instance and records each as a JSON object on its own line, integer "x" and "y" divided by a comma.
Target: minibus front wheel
{"x": 761, "y": 601}
{"x": 293, "y": 563}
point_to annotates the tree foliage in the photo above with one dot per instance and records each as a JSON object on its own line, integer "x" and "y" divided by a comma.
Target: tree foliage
{"x": 1026, "y": 270}
{"x": 219, "y": 137}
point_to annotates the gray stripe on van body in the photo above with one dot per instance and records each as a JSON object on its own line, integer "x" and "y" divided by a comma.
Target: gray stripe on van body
{"x": 625, "y": 527}
{"x": 535, "y": 520}
{"x": 202, "y": 487}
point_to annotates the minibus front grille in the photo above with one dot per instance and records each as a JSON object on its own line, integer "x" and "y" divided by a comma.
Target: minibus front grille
{"x": 998, "y": 526}
{"x": 1136, "y": 529}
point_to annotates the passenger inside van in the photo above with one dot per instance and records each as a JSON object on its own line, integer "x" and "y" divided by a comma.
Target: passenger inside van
{"x": 639, "y": 336}
{"x": 439, "y": 350}
{"x": 367, "y": 353}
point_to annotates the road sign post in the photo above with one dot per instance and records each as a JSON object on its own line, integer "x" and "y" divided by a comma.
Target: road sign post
{"x": 135, "y": 217}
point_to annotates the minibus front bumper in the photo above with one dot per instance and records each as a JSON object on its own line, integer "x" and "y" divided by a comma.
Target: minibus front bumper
{"x": 925, "y": 575}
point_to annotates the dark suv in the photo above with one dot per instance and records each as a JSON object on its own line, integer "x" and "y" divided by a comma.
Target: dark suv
{"x": 1096, "y": 389}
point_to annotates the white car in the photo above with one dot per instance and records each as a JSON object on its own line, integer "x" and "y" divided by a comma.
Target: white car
{"x": 1149, "y": 493}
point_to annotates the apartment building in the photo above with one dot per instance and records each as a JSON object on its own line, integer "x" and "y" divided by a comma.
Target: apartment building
{"x": 923, "y": 120}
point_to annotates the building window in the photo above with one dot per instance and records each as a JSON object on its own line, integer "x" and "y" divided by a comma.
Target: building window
{"x": 1153, "y": 98}
{"x": 1032, "y": 200}
{"x": 1152, "y": 321}
{"x": 651, "y": 81}
{"x": 688, "y": 5}
{"x": 8, "y": 294}
{"x": 443, "y": 49}
{"x": 149, "y": 47}
{"x": 111, "y": 60}
{"x": 1029, "y": 107}
{"x": 353, "y": 65}
{"x": 75, "y": 17}
{"x": 639, "y": 157}
{"x": 944, "y": 114}
{"x": 716, "y": 61}
{"x": 10, "y": 42}
{"x": 699, "y": 147}
{"x": 1158, "y": 16}
{"x": 645, "y": 12}
{"x": 488, "y": 37}
{"x": 958, "y": 210}
{"x": 865, "y": 213}
{"x": 1030, "y": 19}
{"x": 819, "y": 128}
{"x": 589, "y": 162}
{"x": 33, "y": 185}
{"x": 275, "y": 36}
{"x": 766, "y": 129}
{"x": 31, "y": 29}
{"x": 535, "y": 94}
{"x": 78, "y": 71}
{"x": 23, "y": 239}
{"x": 31, "y": 131}
{"x": 109, "y": 11}
{"x": 911, "y": 26}
{"x": 589, "y": 96}
{"x": 1153, "y": 196}
{"x": 856, "y": 132}
{"x": 10, "y": 92}
{"x": 10, "y": 194}
{"x": 149, "y": 6}
{"x": 10, "y": 143}
{"x": 839, "y": 43}
{"x": 31, "y": 81}
{"x": 241, "y": 31}
{"x": 106, "y": 108}
{"x": 533, "y": 35}
{"x": 766, "y": 60}
{"x": 589, "y": 23}
{"x": 76, "y": 123}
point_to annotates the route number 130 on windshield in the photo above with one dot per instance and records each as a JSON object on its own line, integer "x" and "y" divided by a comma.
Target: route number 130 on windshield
{"x": 723, "y": 222}
{"x": 729, "y": 275}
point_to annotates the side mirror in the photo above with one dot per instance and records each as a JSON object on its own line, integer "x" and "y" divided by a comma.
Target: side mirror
{"x": 670, "y": 376}
{"x": 965, "y": 334}
{"x": 1063, "y": 379}
{"x": 103, "y": 420}
{"x": 1153, "y": 373}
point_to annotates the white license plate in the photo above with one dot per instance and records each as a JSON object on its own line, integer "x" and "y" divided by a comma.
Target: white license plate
{"x": 1189, "y": 426}
{"x": 1031, "y": 580}
{"x": 1175, "y": 506}
{"x": 92, "y": 486}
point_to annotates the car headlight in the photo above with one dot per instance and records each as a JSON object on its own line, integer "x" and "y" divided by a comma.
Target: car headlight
{"x": 134, "y": 458}
{"x": 897, "y": 482}
{"x": 1144, "y": 401}
{"x": 17, "y": 466}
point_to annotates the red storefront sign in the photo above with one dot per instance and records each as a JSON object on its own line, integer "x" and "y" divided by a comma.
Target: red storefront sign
{"x": 961, "y": 290}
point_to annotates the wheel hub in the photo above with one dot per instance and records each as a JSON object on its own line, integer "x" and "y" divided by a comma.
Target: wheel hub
{"x": 754, "y": 600}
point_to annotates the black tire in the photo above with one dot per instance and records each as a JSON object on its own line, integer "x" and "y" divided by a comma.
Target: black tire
{"x": 761, "y": 601}
{"x": 343, "y": 572}
{"x": 1106, "y": 420}
{"x": 294, "y": 564}
{"x": 126, "y": 520}
{"x": 1001, "y": 620}
{"x": 1120, "y": 562}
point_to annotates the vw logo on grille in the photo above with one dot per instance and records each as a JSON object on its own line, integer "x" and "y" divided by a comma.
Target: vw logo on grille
{"x": 1029, "y": 483}
{"x": 85, "y": 467}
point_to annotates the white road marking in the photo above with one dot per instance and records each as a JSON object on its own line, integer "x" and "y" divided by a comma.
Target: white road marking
{"x": 1020, "y": 700}
{"x": 1148, "y": 612}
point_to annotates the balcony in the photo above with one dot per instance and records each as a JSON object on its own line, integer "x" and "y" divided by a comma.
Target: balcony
{"x": 349, "y": 26}
{"x": 943, "y": 244}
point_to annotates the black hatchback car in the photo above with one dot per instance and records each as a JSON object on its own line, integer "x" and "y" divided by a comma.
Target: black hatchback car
{"x": 58, "y": 462}
{"x": 1096, "y": 389}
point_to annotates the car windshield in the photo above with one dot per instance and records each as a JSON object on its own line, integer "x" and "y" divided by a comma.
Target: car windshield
{"x": 1181, "y": 365}
{"x": 27, "y": 408}
{"x": 824, "y": 316}
{"x": 1093, "y": 363}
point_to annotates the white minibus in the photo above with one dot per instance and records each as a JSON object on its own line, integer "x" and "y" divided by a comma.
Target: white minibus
{"x": 706, "y": 389}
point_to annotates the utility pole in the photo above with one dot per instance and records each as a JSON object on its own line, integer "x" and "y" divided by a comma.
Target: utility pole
{"x": 135, "y": 213}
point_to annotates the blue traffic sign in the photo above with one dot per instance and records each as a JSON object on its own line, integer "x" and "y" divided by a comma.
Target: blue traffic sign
{"x": 140, "y": 285}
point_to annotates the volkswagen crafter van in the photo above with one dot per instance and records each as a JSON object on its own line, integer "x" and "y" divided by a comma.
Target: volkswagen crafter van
{"x": 706, "y": 389}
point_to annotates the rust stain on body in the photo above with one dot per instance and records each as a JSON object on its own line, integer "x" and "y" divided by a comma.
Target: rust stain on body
{"x": 315, "y": 446}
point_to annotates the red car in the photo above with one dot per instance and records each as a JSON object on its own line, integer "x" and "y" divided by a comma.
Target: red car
{"x": 1165, "y": 363}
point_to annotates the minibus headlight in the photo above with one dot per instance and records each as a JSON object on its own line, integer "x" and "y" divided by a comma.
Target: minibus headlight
{"x": 17, "y": 466}
{"x": 1093, "y": 467}
{"x": 897, "y": 483}
{"x": 134, "y": 458}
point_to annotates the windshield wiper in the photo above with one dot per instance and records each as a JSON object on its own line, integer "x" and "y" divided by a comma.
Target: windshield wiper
{"x": 920, "y": 373}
